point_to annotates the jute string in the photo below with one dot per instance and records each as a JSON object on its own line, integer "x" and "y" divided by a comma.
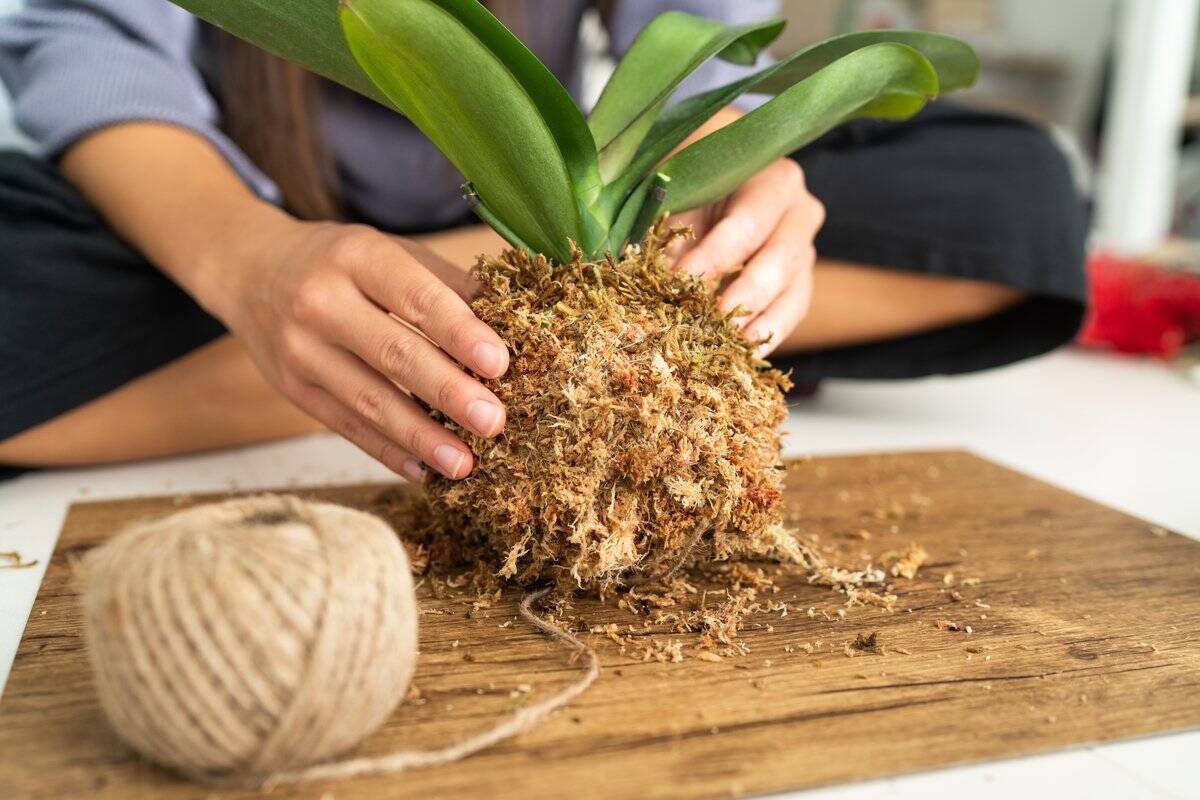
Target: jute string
{"x": 247, "y": 643}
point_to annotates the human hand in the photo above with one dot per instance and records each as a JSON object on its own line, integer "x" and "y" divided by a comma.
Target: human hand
{"x": 768, "y": 225}
{"x": 344, "y": 320}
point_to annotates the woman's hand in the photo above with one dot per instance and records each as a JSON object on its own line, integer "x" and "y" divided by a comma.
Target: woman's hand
{"x": 768, "y": 226}
{"x": 344, "y": 320}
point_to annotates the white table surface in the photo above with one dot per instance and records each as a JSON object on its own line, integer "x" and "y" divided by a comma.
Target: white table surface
{"x": 1121, "y": 431}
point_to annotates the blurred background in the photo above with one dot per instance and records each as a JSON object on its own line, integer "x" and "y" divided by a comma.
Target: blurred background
{"x": 1118, "y": 82}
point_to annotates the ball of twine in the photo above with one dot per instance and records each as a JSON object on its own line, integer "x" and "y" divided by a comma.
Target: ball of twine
{"x": 247, "y": 642}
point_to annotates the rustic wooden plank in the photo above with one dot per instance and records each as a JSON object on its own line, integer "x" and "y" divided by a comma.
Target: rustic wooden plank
{"x": 1087, "y": 628}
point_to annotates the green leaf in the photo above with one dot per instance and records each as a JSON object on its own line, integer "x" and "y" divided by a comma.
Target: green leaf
{"x": 669, "y": 49}
{"x": 892, "y": 79}
{"x": 957, "y": 66}
{"x": 554, "y": 103}
{"x": 302, "y": 31}
{"x": 622, "y": 227}
{"x": 955, "y": 61}
{"x": 308, "y": 32}
{"x": 488, "y": 105}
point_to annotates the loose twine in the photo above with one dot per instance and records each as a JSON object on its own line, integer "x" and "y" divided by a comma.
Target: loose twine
{"x": 247, "y": 643}
{"x": 521, "y": 721}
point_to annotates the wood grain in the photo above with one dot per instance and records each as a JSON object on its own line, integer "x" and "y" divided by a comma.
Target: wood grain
{"x": 1086, "y": 627}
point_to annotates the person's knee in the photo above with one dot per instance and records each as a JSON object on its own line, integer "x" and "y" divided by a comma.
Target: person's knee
{"x": 1052, "y": 212}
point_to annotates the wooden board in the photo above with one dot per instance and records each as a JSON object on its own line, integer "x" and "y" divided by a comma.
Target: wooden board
{"x": 1085, "y": 627}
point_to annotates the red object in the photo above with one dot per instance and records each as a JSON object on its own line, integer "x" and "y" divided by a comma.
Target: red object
{"x": 1136, "y": 307}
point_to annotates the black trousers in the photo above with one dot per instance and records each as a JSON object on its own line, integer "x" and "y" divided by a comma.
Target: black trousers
{"x": 950, "y": 192}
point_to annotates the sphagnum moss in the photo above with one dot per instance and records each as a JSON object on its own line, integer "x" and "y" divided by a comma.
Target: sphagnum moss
{"x": 642, "y": 434}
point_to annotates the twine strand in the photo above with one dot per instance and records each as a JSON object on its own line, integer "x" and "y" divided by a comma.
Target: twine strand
{"x": 519, "y": 722}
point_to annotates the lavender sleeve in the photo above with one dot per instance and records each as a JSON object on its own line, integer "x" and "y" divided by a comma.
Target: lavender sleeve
{"x": 76, "y": 66}
{"x": 630, "y": 16}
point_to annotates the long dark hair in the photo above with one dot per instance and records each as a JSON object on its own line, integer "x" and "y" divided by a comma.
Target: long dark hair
{"x": 271, "y": 109}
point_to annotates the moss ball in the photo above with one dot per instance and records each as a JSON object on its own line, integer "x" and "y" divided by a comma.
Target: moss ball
{"x": 642, "y": 434}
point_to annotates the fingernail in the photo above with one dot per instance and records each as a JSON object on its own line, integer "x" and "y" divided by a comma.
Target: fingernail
{"x": 484, "y": 417}
{"x": 490, "y": 359}
{"x": 412, "y": 469}
{"x": 450, "y": 460}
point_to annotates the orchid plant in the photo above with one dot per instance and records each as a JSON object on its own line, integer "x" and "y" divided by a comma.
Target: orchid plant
{"x": 545, "y": 176}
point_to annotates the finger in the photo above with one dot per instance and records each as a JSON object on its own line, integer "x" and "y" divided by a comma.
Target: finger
{"x": 404, "y": 356}
{"x": 780, "y": 318}
{"x": 786, "y": 253}
{"x": 752, "y": 212}
{"x": 388, "y": 410}
{"x": 344, "y": 422}
{"x": 459, "y": 279}
{"x": 402, "y": 286}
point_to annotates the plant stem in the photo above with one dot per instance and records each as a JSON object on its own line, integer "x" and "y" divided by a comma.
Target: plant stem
{"x": 485, "y": 214}
{"x": 651, "y": 208}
